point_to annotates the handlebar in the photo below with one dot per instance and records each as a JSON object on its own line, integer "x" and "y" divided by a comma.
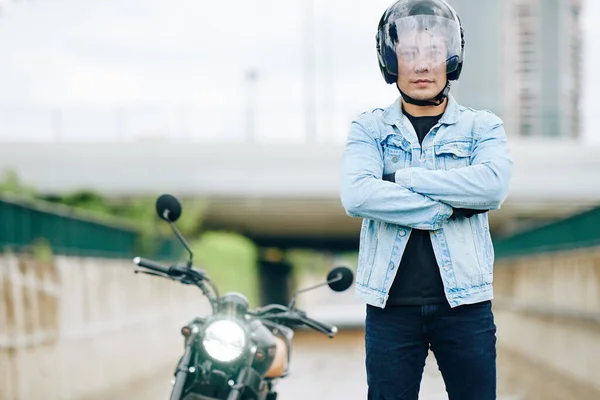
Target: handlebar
{"x": 300, "y": 316}
{"x": 268, "y": 309}
{"x": 184, "y": 275}
{"x": 174, "y": 271}
{"x": 329, "y": 330}
{"x": 271, "y": 311}
{"x": 154, "y": 266}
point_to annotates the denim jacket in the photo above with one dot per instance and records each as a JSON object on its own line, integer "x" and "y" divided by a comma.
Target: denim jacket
{"x": 464, "y": 162}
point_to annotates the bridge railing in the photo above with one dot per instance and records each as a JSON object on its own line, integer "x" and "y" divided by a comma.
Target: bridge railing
{"x": 23, "y": 223}
{"x": 211, "y": 122}
{"x": 547, "y": 298}
{"x": 208, "y": 123}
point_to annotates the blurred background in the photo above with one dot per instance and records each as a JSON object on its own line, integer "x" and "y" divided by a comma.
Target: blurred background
{"x": 241, "y": 109}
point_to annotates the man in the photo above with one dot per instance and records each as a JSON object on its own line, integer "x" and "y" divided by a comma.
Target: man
{"x": 422, "y": 174}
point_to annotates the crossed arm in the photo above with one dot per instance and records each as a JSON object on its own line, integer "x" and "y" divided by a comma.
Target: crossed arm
{"x": 422, "y": 198}
{"x": 365, "y": 194}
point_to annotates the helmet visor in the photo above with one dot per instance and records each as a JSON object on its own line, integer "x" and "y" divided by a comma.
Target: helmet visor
{"x": 424, "y": 41}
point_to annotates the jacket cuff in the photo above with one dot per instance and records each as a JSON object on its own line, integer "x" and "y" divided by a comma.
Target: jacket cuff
{"x": 445, "y": 212}
{"x": 404, "y": 178}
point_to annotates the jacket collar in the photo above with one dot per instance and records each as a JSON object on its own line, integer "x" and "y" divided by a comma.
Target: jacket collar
{"x": 393, "y": 114}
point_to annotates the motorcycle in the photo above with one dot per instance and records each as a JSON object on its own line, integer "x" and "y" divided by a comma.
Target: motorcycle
{"x": 235, "y": 353}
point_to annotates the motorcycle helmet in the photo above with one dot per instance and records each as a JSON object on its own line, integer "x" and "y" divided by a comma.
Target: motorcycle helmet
{"x": 409, "y": 25}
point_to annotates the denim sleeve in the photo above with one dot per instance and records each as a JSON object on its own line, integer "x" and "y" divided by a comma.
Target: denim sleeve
{"x": 364, "y": 194}
{"x": 483, "y": 185}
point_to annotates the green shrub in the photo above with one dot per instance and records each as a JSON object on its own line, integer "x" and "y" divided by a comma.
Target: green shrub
{"x": 230, "y": 261}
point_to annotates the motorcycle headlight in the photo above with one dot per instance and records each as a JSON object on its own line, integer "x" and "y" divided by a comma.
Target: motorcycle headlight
{"x": 224, "y": 340}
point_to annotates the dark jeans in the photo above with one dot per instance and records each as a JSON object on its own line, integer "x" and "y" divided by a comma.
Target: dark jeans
{"x": 462, "y": 339}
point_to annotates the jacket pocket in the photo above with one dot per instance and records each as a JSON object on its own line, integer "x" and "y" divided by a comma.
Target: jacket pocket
{"x": 454, "y": 154}
{"x": 366, "y": 251}
{"x": 396, "y": 153}
{"x": 484, "y": 246}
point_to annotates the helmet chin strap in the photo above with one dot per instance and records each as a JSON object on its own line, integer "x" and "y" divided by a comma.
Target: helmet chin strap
{"x": 436, "y": 101}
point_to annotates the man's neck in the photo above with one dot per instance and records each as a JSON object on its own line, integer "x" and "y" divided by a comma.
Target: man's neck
{"x": 424, "y": 111}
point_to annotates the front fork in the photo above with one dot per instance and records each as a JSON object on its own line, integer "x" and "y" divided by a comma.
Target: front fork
{"x": 238, "y": 387}
{"x": 181, "y": 374}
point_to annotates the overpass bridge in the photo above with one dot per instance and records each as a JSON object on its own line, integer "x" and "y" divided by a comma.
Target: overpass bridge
{"x": 285, "y": 194}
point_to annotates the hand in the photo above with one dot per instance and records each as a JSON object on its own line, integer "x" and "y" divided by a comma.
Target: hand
{"x": 465, "y": 213}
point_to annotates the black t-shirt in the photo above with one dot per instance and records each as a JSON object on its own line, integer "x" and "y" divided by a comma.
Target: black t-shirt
{"x": 418, "y": 279}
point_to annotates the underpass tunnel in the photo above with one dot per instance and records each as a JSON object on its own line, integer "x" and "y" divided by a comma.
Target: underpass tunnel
{"x": 275, "y": 277}
{"x": 277, "y": 271}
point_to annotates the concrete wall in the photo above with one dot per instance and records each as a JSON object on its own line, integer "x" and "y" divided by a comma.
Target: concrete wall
{"x": 78, "y": 327}
{"x": 547, "y": 310}
{"x": 81, "y": 328}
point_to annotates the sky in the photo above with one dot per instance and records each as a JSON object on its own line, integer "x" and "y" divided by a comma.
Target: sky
{"x": 140, "y": 68}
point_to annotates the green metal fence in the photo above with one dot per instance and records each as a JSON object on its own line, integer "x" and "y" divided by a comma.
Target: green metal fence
{"x": 69, "y": 232}
{"x": 579, "y": 231}
{"x": 23, "y": 222}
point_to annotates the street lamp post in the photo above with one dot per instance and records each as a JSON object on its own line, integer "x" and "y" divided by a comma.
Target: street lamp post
{"x": 251, "y": 78}
{"x": 309, "y": 69}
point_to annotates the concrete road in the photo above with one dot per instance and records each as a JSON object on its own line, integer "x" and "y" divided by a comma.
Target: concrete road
{"x": 321, "y": 368}
{"x": 326, "y": 368}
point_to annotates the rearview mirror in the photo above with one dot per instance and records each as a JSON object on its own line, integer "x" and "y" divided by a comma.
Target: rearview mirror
{"x": 168, "y": 208}
{"x": 340, "y": 278}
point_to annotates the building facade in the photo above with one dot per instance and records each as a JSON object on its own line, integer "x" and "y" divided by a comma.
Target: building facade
{"x": 523, "y": 62}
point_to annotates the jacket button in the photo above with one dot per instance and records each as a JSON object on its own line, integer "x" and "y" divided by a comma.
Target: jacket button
{"x": 454, "y": 156}
{"x": 394, "y": 159}
{"x": 392, "y": 266}
{"x": 402, "y": 233}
